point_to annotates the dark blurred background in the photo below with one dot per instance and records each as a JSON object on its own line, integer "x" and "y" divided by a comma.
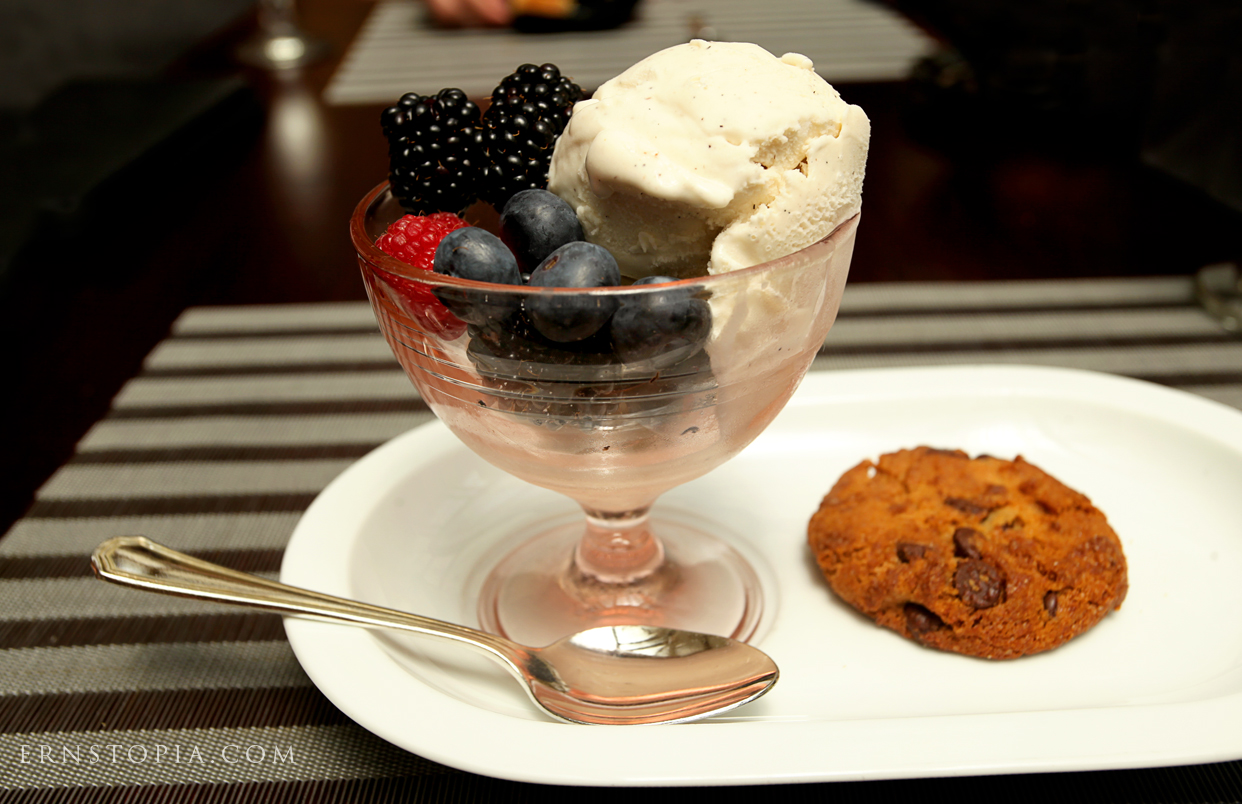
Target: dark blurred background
{"x": 1089, "y": 79}
{"x": 144, "y": 169}
{"x": 46, "y": 43}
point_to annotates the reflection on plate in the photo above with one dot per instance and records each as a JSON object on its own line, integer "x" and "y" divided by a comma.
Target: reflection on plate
{"x": 1157, "y": 683}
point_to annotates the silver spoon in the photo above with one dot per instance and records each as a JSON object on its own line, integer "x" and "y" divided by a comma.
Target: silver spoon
{"x": 614, "y": 674}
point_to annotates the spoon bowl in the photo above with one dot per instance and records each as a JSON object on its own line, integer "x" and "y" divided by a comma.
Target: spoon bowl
{"x": 621, "y": 674}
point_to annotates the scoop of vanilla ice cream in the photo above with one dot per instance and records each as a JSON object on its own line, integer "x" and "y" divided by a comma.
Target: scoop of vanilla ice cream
{"x": 707, "y": 157}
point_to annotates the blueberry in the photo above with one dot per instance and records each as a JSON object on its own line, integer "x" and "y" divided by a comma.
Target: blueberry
{"x": 651, "y": 324}
{"x": 565, "y": 317}
{"x": 534, "y": 223}
{"x": 473, "y": 253}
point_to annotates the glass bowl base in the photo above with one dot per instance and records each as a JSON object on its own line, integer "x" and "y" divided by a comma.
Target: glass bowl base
{"x": 538, "y": 594}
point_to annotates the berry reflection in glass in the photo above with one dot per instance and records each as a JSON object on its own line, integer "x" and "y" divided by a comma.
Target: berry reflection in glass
{"x": 677, "y": 379}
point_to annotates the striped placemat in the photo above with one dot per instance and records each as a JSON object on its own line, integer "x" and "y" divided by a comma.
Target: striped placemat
{"x": 397, "y": 52}
{"x": 243, "y": 414}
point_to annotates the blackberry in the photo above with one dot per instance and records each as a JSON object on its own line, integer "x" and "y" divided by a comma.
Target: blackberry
{"x": 529, "y": 111}
{"x": 435, "y": 152}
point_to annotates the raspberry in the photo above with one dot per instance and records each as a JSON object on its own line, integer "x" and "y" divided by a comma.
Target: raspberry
{"x": 413, "y": 240}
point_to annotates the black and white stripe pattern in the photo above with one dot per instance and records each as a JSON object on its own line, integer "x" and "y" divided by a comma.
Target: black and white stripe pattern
{"x": 242, "y": 416}
{"x": 396, "y": 52}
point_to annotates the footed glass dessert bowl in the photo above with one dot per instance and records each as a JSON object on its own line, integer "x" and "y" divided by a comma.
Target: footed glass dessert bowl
{"x": 680, "y": 377}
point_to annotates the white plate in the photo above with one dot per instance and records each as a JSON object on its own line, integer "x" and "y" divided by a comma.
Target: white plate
{"x": 1157, "y": 683}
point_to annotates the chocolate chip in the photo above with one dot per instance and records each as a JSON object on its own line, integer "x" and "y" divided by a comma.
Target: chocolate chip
{"x": 1045, "y": 571}
{"x": 920, "y": 620}
{"x": 1046, "y": 507}
{"x": 1050, "y": 604}
{"x": 995, "y": 489}
{"x": 966, "y": 543}
{"x": 909, "y": 551}
{"x": 980, "y": 584}
{"x": 966, "y": 506}
{"x": 949, "y": 453}
{"x": 1016, "y": 522}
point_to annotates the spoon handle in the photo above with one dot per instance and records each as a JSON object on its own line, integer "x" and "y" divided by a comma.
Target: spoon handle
{"x": 140, "y": 563}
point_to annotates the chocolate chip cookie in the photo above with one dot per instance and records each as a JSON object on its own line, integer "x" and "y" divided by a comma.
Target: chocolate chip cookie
{"x": 986, "y": 557}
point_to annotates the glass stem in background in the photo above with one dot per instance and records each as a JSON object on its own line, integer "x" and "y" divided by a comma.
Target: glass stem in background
{"x": 278, "y": 17}
{"x": 279, "y": 43}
